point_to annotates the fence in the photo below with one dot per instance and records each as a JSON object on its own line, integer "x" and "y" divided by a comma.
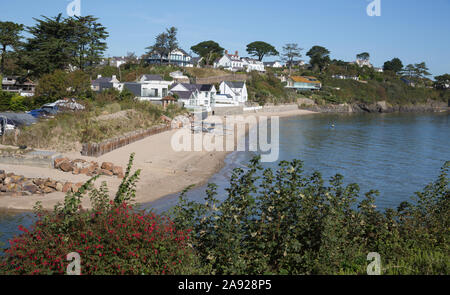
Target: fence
{"x": 99, "y": 149}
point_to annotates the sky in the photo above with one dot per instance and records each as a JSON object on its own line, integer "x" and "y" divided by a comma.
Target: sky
{"x": 413, "y": 30}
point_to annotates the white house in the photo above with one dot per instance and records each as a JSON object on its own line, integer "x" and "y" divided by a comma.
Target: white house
{"x": 178, "y": 76}
{"x": 149, "y": 87}
{"x": 177, "y": 57}
{"x": 102, "y": 83}
{"x": 195, "y": 95}
{"x": 379, "y": 70}
{"x": 233, "y": 92}
{"x": 230, "y": 62}
{"x": 253, "y": 64}
{"x": 273, "y": 64}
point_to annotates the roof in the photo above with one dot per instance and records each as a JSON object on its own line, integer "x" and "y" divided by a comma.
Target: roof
{"x": 19, "y": 118}
{"x": 151, "y": 78}
{"x": 101, "y": 80}
{"x": 235, "y": 84}
{"x": 183, "y": 94}
{"x": 199, "y": 87}
{"x": 305, "y": 79}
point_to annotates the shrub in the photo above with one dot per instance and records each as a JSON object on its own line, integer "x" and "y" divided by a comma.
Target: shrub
{"x": 111, "y": 238}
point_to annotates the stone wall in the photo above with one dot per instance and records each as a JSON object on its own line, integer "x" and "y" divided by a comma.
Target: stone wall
{"x": 99, "y": 149}
{"x": 228, "y": 111}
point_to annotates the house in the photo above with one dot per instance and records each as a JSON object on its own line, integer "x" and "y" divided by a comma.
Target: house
{"x": 197, "y": 62}
{"x": 408, "y": 82}
{"x": 149, "y": 87}
{"x": 195, "y": 95}
{"x": 273, "y": 64}
{"x": 344, "y": 77}
{"x": 115, "y": 61}
{"x": 230, "y": 62}
{"x": 177, "y": 57}
{"x": 379, "y": 70}
{"x": 233, "y": 92}
{"x": 253, "y": 65}
{"x": 23, "y": 87}
{"x": 102, "y": 83}
{"x": 304, "y": 83}
{"x": 362, "y": 62}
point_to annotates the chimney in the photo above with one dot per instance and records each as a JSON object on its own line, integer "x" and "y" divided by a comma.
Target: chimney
{"x": 226, "y": 51}
{"x": 99, "y": 76}
{"x": 114, "y": 77}
{"x": 237, "y": 53}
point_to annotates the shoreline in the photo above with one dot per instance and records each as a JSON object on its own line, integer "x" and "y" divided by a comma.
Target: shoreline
{"x": 164, "y": 171}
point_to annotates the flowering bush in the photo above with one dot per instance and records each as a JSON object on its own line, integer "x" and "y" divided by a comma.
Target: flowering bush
{"x": 112, "y": 238}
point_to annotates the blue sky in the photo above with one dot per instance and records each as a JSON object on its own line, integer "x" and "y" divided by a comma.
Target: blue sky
{"x": 412, "y": 30}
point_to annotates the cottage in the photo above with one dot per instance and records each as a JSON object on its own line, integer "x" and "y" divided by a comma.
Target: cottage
{"x": 273, "y": 64}
{"x": 177, "y": 57}
{"x": 178, "y": 76}
{"x": 102, "y": 83}
{"x": 23, "y": 87}
{"x": 230, "y": 62}
{"x": 195, "y": 94}
{"x": 236, "y": 92}
{"x": 304, "y": 83}
{"x": 149, "y": 87}
{"x": 253, "y": 64}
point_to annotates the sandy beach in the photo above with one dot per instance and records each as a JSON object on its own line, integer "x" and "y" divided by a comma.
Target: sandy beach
{"x": 164, "y": 171}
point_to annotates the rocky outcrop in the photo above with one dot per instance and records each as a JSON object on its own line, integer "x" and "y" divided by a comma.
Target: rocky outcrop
{"x": 379, "y": 107}
{"x": 18, "y": 185}
{"x": 80, "y": 166}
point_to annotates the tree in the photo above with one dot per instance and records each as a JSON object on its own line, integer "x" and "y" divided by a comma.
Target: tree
{"x": 421, "y": 70}
{"x": 261, "y": 49}
{"x": 442, "y": 82}
{"x": 160, "y": 47}
{"x": 395, "y": 65}
{"x": 209, "y": 50}
{"x": 57, "y": 43}
{"x": 409, "y": 70}
{"x": 320, "y": 57}
{"x": 9, "y": 37}
{"x": 363, "y": 56}
{"x": 52, "y": 87}
{"x": 291, "y": 53}
{"x": 172, "y": 42}
{"x": 88, "y": 41}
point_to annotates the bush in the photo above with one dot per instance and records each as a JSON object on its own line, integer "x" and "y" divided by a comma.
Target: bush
{"x": 288, "y": 223}
{"x": 112, "y": 238}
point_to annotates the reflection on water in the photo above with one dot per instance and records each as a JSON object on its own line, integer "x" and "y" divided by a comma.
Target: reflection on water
{"x": 397, "y": 154}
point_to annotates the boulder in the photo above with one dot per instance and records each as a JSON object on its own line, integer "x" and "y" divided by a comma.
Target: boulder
{"x": 59, "y": 161}
{"x": 67, "y": 187}
{"x": 107, "y": 166}
{"x": 117, "y": 170}
{"x": 106, "y": 172}
{"x": 31, "y": 188}
{"x": 66, "y": 166}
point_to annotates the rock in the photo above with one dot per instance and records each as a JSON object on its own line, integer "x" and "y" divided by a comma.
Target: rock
{"x": 106, "y": 172}
{"x": 66, "y": 167}
{"x": 38, "y": 181}
{"x": 7, "y": 180}
{"x": 47, "y": 190}
{"x": 84, "y": 171}
{"x": 31, "y": 188}
{"x": 67, "y": 187}
{"x": 59, "y": 187}
{"x": 117, "y": 170}
{"x": 120, "y": 175}
{"x": 107, "y": 166}
{"x": 76, "y": 171}
{"x": 51, "y": 184}
{"x": 76, "y": 187}
{"x": 59, "y": 161}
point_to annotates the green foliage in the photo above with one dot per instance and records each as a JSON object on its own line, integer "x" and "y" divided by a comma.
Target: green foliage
{"x": 111, "y": 238}
{"x": 58, "y": 42}
{"x": 9, "y": 37}
{"x": 284, "y": 222}
{"x": 209, "y": 50}
{"x": 395, "y": 65}
{"x": 320, "y": 57}
{"x": 261, "y": 49}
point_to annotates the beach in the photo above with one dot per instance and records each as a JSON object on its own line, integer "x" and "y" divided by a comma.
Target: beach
{"x": 164, "y": 171}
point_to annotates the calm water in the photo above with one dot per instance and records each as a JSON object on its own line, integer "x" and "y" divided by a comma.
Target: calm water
{"x": 397, "y": 154}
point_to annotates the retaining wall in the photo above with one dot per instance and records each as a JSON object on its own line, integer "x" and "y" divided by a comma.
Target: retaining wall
{"x": 99, "y": 149}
